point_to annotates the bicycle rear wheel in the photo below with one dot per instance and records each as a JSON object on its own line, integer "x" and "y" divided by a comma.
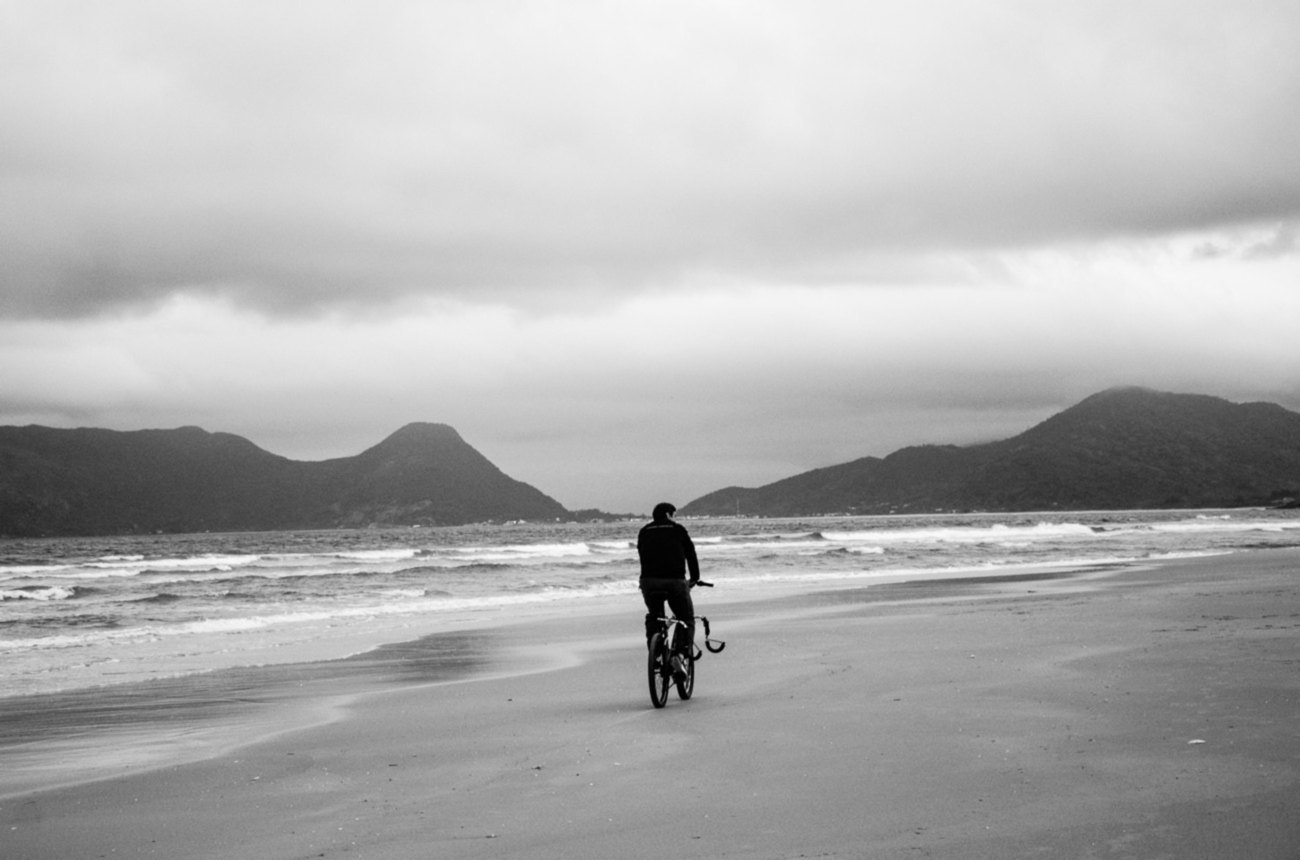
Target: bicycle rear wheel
{"x": 658, "y": 671}
{"x": 686, "y": 686}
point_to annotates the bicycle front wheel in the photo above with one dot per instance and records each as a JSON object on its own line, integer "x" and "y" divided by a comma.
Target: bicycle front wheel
{"x": 658, "y": 671}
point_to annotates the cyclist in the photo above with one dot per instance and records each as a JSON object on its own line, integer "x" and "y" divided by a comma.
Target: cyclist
{"x": 667, "y": 559}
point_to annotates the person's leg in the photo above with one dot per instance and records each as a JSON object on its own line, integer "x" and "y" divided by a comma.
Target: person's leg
{"x": 679, "y": 601}
{"x": 654, "y": 604}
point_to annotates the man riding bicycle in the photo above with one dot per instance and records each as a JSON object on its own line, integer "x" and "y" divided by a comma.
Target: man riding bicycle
{"x": 667, "y": 558}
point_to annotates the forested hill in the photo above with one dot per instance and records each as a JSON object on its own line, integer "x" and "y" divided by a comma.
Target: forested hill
{"x": 1122, "y": 448}
{"x": 99, "y": 482}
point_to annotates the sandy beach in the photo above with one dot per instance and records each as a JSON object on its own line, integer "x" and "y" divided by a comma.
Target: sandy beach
{"x": 1136, "y": 712}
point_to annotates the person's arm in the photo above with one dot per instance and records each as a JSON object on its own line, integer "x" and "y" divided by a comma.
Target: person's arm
{"x": 692, "y": 562}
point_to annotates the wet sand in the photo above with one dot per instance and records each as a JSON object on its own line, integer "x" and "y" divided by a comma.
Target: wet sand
{"x": 1136, "y": 712}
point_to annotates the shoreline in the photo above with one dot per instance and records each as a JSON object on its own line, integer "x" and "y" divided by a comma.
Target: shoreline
{"x": 987, "y": 716}
{"x": 97, "y": 733}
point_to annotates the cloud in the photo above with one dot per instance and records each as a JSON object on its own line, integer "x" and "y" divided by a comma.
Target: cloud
{"x": 306, "y": 156}
{"x": 1281, "y": 243}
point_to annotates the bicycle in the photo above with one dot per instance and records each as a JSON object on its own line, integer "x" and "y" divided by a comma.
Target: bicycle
{"x": 659, "y": 662}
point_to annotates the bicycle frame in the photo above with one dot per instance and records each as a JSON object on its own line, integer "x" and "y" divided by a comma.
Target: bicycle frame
{"x": 663, "y": 647}
{"x": 668, "y": 627}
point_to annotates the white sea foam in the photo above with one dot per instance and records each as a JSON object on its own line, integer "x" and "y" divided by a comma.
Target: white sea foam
{"x": 379, "y": 554}
{"x": 964, "y": 534}
{"x": 525, "y": 552}
{"x": 1216, "y": 524}
{"x": 22, "y": 570}
{"x": 51, "y": 593}
{"x": 207, "y": 561}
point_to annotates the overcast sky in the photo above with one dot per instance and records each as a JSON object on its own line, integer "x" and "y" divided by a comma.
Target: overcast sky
{"x": 636, "y": 251}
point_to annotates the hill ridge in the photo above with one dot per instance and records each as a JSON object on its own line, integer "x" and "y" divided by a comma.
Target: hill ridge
{"x": 91, "y": 481}
{"x": 1125, "y": 447}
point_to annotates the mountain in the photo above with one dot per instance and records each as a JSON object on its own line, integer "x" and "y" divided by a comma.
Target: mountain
{"x": 1121, "y": 448}
{"x": 99, "y": 482}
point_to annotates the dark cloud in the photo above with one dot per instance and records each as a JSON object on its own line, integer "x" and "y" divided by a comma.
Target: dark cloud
{"x": 303, "y": 155}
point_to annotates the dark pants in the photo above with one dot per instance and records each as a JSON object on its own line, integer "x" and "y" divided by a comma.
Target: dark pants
{"x": 677, "y": 594}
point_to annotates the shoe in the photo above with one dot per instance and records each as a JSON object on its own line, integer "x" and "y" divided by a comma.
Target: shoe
{"x": 679, "y": 667}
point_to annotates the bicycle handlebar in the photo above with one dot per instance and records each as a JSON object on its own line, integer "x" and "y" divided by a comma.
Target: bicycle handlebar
{"x": 713, "y": 646}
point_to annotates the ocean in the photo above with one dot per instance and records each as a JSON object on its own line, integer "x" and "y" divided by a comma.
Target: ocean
{"x": 84, "y": 613}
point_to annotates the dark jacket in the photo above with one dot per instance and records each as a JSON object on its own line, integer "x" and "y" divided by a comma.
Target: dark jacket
{"x": 666, "y": 551}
